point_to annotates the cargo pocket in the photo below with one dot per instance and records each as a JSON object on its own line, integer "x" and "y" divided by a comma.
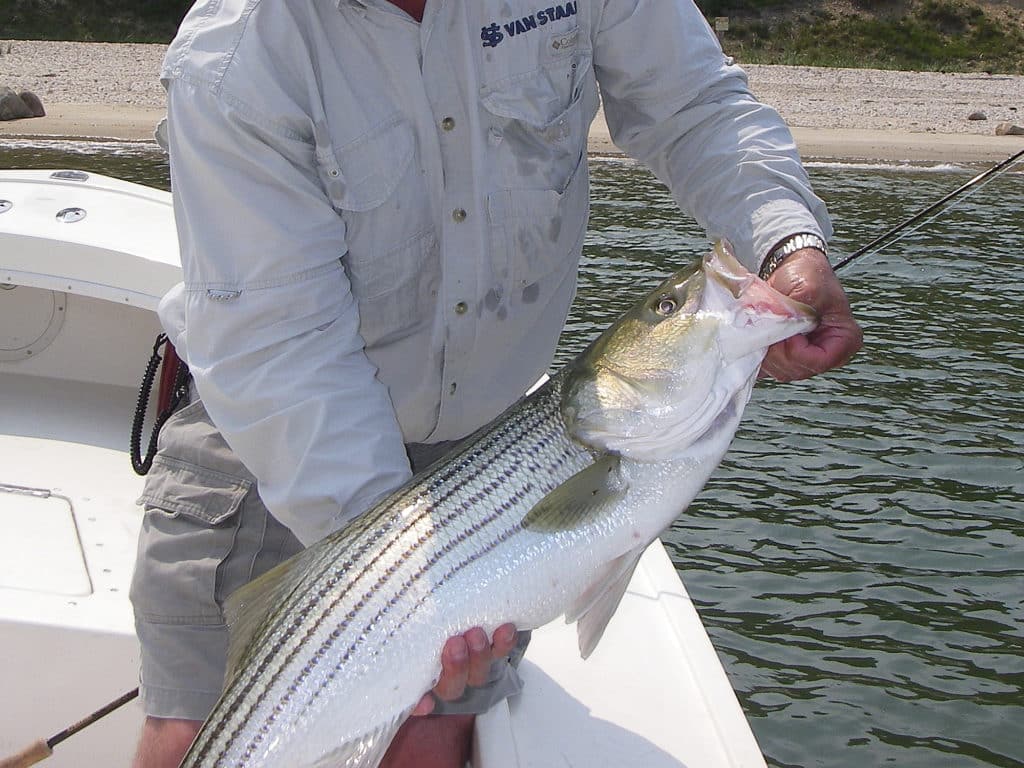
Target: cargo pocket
{"x": 189, "y": 526}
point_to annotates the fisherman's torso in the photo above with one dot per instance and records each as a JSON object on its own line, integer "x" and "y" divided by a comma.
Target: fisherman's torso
{"x": 454, "y": 150}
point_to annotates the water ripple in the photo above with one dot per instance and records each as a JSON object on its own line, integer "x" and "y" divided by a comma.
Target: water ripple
{"x": 857, "y": 557}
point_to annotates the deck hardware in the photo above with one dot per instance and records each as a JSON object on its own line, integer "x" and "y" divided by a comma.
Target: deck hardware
{"x": 70, "y": 215}
{"x": 70, "y": 175}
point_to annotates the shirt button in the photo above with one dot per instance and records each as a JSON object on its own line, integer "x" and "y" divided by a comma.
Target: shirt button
{"x": 448, "y": 123}
{"x": 452, "y": 388}
{"x": 459, "y": 214}
{"x": 461, "y": 308}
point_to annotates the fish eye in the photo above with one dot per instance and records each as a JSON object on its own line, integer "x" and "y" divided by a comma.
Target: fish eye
{"x": 666, "y": 305}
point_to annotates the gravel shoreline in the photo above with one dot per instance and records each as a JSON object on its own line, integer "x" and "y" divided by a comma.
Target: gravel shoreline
{"x": 84, "y": 73}
{"x": 113, "y": 76}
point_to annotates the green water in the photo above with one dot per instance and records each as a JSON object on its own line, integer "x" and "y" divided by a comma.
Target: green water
{"x": 858, "y": 558}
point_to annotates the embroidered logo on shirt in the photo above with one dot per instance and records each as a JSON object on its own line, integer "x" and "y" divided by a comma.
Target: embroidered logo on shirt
{"x": 492, "y": 34}
{"x": 564, "y": 42}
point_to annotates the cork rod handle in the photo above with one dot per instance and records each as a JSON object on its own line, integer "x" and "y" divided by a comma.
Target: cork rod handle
{"x": 30, "y": 755}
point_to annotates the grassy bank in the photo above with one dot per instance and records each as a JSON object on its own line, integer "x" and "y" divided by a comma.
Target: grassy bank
{"x": 103, "y": 21}
{"x": 919, "y": 35}
{"x": 943, "y": 35}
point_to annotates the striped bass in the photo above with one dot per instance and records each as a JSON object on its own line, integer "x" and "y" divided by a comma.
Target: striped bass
{"x": 543, "y": 513}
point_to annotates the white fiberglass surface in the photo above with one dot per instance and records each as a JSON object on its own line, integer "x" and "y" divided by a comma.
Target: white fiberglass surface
{"x": 94, "y": 236}
{"x": 652, "y": 695}
{"x": 39, "y": 545}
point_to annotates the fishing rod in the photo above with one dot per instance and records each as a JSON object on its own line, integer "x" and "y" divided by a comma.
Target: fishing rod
{"x": 43, "y": 748}
{"x": 974, "y": 183}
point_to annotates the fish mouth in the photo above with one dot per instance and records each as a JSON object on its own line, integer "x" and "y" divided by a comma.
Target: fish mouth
{"x": 761, "y": 316}
{"x": 755, "y": 296}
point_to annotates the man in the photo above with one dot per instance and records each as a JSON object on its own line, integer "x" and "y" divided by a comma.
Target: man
{"x": 381, "y": 206}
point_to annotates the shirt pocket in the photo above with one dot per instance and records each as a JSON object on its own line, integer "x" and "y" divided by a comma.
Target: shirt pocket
{"x": 396, "y": 289}
{"x": 392, "y": 259}
{"x": 364, "y": 172}
{"x": 539, "y": 121}
{"x": 536, "y": 232}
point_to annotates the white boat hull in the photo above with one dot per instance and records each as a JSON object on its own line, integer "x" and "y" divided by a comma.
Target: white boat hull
{"x": 77, "y": 323}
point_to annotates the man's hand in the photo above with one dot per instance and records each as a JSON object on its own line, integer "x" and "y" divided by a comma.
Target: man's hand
{"x": 807, "y": 276}
{"x": 466, "y": 660}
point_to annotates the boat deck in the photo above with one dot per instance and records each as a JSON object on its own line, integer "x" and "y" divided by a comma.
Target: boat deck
{"x": 680, "y": 711}
{"x": 68, "y": 525}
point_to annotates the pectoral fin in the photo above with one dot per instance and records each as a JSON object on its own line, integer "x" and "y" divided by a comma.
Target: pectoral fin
{"x": 580, "y": 499}
{"x": 596, "y": 606}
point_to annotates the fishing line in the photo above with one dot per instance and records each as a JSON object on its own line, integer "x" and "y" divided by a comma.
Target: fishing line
{"x": 937, "y": 208}
{"x": 898, "y": 236}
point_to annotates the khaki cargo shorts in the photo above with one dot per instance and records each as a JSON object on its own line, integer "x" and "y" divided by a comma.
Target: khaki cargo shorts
{"x": 205, "y": 533}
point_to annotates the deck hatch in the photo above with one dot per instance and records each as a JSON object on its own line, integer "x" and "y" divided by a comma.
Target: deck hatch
{"x": 40, "y": 550}
{"x": 30, "y": 318}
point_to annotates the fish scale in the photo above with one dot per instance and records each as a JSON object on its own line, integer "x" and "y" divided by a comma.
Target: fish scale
{"x": 465, "y": 507}
{"x": 543, "y": 513}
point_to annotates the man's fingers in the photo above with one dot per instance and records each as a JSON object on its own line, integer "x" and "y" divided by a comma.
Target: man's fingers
{"x": 801, "y": 357}
{"x": 479, "y": 656}
{"x": 454, "y": 668}
{"x": 466, "y": 660}
{"x": 425, "y": 706}
{"x": 504, "y": 640}
{"x": 807, "y": 277}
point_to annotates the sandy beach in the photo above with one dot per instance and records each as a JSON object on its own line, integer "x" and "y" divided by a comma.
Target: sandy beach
{"x": 103, "y": 90}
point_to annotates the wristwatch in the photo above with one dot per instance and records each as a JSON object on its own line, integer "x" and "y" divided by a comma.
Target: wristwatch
{"x": 789, "y": 245}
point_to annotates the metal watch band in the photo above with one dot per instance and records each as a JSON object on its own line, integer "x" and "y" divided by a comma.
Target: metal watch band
{"x": 790, "y": 245}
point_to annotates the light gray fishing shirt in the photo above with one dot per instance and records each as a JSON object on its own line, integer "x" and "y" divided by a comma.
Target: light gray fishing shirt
{"x": 381, "y": 220}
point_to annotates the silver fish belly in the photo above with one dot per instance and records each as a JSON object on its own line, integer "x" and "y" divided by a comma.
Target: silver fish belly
{"x": 395, "y": 585}
{"x": 541, "y": 514}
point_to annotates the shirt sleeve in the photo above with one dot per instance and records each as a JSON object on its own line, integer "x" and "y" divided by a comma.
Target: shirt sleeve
{"x": 675, "y": 102}
{"x": 270, "y": 326}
